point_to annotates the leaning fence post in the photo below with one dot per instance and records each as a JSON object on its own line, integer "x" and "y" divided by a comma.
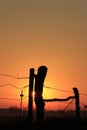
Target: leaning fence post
{"x": 39, "y": 80}
{"x": 77, "y": 102}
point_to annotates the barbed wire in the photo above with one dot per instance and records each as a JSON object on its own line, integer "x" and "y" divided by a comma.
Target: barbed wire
{"x": 4, "y": 85}
{"x": 13, "y": 98}
{"x": 63, "y": 90}
{"x": 15, "y": 77}
{"x": 9, "y": 94}
{"x": 48, "y": 87}
{"x": 58, "y": 89}
{"x": 68, "y": 104}
{"x": 9, "y": 99}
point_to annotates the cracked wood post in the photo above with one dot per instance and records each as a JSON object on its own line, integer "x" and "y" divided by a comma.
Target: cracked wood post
{"x": 39, "y": 80}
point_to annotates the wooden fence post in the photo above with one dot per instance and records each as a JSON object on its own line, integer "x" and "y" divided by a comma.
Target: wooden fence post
{"x": 39, "y": 80}
{"x": 30, "y": 101}
{"x": 77, "y": 102}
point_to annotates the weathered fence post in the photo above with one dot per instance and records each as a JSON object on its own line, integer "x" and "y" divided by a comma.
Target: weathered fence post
{"x": 30, "y": 101}
{"x": 77, "y": 102}
{"x": 39, "y": 80}
{"x": 76, "y": 97}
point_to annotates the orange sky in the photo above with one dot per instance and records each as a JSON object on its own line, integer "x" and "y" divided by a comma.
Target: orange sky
{"x": 51, "y": 33}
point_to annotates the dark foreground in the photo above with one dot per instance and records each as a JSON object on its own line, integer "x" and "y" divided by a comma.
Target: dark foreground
{"x": 13, "y": 123}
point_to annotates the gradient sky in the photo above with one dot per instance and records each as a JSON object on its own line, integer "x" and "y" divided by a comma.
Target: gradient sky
{"x": 44, "y": 32}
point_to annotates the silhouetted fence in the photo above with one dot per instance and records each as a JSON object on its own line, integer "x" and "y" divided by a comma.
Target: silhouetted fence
{"x": 39, "y": 101}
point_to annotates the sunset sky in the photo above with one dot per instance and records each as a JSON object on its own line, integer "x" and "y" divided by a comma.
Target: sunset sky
{"x": 43, "y": 32}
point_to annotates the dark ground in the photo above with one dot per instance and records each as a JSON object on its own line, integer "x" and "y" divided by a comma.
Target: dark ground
{"x": 13, "y": 123}
{"x": 55, "y": 120}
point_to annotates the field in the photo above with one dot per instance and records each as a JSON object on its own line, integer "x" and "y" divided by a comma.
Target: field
{"x": 10, "y": 122}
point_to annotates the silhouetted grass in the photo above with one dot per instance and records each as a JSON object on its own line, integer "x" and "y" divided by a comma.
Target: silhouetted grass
{"x": 65, "y": 123}
{"x": 53, "y": 123}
